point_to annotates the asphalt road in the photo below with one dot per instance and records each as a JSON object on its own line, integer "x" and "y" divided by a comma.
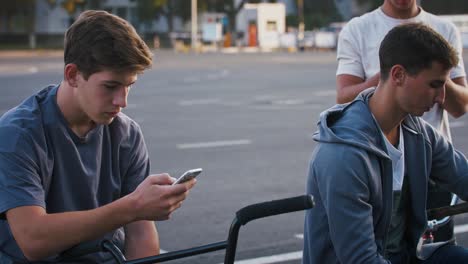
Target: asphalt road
{"x": 246, "y": 119}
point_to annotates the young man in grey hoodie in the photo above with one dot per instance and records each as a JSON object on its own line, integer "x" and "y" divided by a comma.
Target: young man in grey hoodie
{"x": 371, "y": 205}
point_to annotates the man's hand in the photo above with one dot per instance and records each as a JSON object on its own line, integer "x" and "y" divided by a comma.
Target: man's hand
{"x": 349, "y": 86}
{"x": 155, "y": 198}
{"x": 40, "y": 235}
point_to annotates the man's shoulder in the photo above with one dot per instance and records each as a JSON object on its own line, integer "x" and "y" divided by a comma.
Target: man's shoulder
{"x": 28, "y": 112}
{"x": 24, "y": 120}
{"x": 362, "y": 22}
{"x": 440, "y": 24}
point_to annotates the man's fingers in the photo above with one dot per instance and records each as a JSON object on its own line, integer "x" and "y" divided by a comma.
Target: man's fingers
{"x": 160, "y": 179}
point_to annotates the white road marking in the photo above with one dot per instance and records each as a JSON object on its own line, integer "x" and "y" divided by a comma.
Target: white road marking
{"x": 461, "y": 229}
{"x": 218, "y": 75}
{"x": 199, "y": 102}
{"x": 33, "y": 70}
{"x": 330, "y": 92}
{"x": 272, "y": 259}
{"x": 161, "y": 251}
{"x": 455, "y": 124}
{"x": 214, "y": 144}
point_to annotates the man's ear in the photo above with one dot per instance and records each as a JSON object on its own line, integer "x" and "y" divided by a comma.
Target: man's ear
{"x": 71, "y": 74}
{"x": 397, "y": 74}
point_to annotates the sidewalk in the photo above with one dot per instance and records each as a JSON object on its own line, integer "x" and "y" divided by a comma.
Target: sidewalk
{"x": 30, "y": 53}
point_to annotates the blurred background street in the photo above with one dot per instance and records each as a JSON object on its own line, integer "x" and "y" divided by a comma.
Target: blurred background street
{"x": 247, "y": 119}
{"x": 236, "y": 88}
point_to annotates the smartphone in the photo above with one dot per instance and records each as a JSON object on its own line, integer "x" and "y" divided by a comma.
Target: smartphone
{"x": 188, "y": 175}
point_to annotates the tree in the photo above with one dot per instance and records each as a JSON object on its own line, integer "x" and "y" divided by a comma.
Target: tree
{"x": 319, "y": 13}
{"x": 25, "y": 9}
{"x": 149, "y": 10}
{"x": 445, "y": 7}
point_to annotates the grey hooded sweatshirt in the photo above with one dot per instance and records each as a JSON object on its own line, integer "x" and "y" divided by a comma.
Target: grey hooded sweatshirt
{"x": 350, "y": 177}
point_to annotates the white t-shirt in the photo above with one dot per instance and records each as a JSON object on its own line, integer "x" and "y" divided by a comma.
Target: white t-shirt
{"x": 397, "y": 154}
{"x": 359, "y": 43}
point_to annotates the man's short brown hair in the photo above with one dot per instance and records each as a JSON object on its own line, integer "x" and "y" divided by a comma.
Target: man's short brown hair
{"x": 415, "y": 46}
{"x": 98, "y": 40}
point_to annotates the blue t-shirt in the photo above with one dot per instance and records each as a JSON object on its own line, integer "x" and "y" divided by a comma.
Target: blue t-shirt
{"x": 44, "y": 163}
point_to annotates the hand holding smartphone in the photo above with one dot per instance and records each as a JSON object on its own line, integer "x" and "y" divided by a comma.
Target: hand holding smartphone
{"x": 188, "y": 175}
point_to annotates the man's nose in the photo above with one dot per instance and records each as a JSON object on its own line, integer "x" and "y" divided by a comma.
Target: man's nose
{"x": 120, "y": 97}
{"x": 440, "y": 98}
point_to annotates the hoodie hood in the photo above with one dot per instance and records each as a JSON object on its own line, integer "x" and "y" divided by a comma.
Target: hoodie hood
{"x": 352, "y": 124}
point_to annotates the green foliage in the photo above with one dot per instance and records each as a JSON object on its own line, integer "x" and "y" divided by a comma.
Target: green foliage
{"x": 373, "y": 4}
{"x": 445, "y": 7}
{"x": 19, "y": 8}
{"x": 319, "y": 13}
{"x": 148, "y": 10}
{"x": 292, "y": 21}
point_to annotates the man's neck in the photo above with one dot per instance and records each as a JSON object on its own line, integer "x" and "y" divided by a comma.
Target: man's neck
{"x": 76, "y": 120}
{"x": 386, "y": 113}
{"x": 393, "y": 12}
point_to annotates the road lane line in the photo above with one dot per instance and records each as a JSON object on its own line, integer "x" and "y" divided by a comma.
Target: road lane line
{"x": 273, "y": 259}
{"x": 455, "y": 124}
{"x": 461, "y": 229}
{"x": 214, "y": 144}
{"x": 199, "y": 102}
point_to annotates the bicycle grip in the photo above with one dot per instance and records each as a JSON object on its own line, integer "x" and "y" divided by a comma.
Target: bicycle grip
{"x": 83, "y": 249}
{"x": 275, "y": 207}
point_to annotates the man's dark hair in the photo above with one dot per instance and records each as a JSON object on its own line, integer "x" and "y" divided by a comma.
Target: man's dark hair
{"x": 415, "y": 46}
{"x": 98, "y": 40}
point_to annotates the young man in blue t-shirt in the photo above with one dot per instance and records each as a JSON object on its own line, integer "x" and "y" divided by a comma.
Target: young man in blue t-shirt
{"x": 73, "y": 167}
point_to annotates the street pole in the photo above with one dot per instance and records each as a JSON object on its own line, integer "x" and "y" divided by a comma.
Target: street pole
{"x": 194, "y": 25}
{"x": 300, "y": 11}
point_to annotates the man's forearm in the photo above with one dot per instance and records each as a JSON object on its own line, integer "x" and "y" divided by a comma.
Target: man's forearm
{"x": 48, "y": 234}
{"x": 349, "y": 86}
{"x": 456, "y": 97}
{"x": 141, "y": 240}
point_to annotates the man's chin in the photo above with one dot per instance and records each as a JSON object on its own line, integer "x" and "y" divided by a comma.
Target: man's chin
{"x": 420, "y": 113}
{"x": 105, "y": 121}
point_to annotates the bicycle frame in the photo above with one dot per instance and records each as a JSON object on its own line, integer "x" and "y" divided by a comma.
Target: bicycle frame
{"x": 243, "y": 216}
{"x": 434, "y": 224}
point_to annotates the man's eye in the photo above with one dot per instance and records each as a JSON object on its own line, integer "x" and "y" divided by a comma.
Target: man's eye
{"x": 111, "y": 87}
{"x": 437, "y": 85}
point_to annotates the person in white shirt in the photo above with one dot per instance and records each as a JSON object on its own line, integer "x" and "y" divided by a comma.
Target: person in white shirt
{"x": 358, "y": 68}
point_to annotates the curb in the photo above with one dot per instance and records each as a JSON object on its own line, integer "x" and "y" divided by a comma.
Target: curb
{"x": 30, "y": 53}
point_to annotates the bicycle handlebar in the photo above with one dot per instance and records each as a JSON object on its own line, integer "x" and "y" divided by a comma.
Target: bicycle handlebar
{"x": 442, "y": 212}
{"x": 276, "y": 207}
{"x": 243, "y": 216}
